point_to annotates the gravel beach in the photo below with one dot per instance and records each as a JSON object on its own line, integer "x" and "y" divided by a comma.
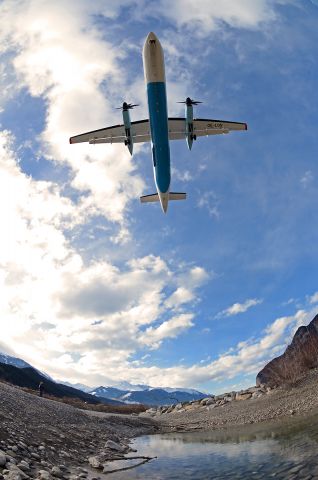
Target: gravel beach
{"x": 42, "y": 438}
{"x": 45, "y": 439}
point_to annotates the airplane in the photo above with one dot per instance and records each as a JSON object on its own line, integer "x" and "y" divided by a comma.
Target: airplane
{"x": 159, "y": 128}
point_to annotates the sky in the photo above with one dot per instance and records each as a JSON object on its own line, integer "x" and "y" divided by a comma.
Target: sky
{"x": 99, "y": 289}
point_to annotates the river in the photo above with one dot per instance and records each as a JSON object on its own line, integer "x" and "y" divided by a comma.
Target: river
{"x": 287, "y": 450}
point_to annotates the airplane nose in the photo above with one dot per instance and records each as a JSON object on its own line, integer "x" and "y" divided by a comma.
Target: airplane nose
{"x": 151, "y": 38}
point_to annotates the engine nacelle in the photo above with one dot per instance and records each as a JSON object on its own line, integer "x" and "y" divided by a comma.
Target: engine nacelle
{"x": 189, "y": 129}
{"x": 126, "y": 118}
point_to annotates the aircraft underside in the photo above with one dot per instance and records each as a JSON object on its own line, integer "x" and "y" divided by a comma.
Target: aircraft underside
{"x": 159, "y": 129}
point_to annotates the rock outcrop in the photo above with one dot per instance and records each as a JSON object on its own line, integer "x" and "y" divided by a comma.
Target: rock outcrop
{"x": 208, "y": 403}
{"x": 299, "y": 357}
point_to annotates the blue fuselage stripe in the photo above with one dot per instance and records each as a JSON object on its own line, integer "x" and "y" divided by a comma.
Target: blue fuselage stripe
{"x": 158, "y": 115}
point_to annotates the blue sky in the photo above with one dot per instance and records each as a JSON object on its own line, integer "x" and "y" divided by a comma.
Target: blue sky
{"x": 100, "y": 289}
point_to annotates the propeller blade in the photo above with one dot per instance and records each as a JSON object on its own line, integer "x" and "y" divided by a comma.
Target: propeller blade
{"x": 190, "y": 102}
{"x": 127, "y": 106}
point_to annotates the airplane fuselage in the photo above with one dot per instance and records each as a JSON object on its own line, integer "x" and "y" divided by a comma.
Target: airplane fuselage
{"x": 154, "y": 70}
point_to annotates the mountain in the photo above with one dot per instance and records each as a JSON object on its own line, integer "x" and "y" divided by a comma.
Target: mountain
{"x": 19, "y": 363}
{"x": 18, "y": 372}
{"x": 299, "y": 357}
{"x": 16, "y": 362}
{"x": 109, "y": 392}
{"x": 131, "y": 387}
{"x": 149, "y": 396}
{"x": 125, "y": 392}
{"x": 79, "y": 386}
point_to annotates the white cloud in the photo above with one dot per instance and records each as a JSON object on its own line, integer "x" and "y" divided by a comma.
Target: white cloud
{"x": 80, "y": 318}
{"x": 314, "y": 298}
{"x": 180, "y": 296}
{"x": 60, "y": 56}
{"x": 307, "y": 178}
{"x": 79, "y": 321}
{"x": 204, "y": 15}
{"x": 66, "y": 315}
{"x": 168, "y": 329}
{"x": 211, "y": 202}
{"x": 239, "y": 307}
{"x": 248, "y": 357}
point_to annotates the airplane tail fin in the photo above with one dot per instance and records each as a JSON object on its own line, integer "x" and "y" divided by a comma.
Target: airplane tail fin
{"x": 155, "y": 197}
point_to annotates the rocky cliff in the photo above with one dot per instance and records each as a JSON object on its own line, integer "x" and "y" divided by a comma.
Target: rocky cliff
{"x": 300, "y": 356}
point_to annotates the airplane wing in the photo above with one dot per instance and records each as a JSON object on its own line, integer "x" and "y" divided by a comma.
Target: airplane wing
{"x": 202, "y": 127}
{"x": 140, "y": 132}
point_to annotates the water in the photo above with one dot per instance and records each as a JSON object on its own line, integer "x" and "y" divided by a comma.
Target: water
{"x": 288, "y": 450}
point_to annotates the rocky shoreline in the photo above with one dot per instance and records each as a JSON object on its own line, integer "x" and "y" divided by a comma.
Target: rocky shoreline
{"x": 44, "y": 439}
{"x": 254, "y": 405}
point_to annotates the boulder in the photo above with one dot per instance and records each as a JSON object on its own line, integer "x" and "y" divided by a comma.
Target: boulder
{"x": 229, "y": 398}
{"x": 243, "y": 396}
{"x": 115, "y": 446}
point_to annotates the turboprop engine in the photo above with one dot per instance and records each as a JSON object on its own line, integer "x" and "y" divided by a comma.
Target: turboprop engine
{"x": 189, "y": 133}
{"x": 126, "y": 119}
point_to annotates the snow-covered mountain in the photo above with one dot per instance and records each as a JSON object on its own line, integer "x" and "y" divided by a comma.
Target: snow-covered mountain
{"x": 149, "y": 396}
{"x": 19, "y": 363}
{"x": 124, "y": 391}
{"x": 16, "y": 362}
{"x": 131, "y": 387}
{"x": 79, "y": 386}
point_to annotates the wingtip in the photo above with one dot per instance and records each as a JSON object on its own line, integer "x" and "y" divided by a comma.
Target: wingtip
{"x": 245, "y": 126}
{"x": 71, "y": 140}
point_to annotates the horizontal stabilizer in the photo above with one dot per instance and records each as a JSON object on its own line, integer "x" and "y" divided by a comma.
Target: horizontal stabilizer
{"x": 177, "y": 196}
{"x": 150, "y": 198}
{"x": 155, "y": 197}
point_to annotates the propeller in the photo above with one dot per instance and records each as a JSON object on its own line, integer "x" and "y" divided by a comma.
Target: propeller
{"x": 190, "y": 102}
{"x": 127, "y": 106}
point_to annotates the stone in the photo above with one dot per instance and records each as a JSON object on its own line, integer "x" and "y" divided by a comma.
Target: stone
{"x": 115, "y": 446}
{"x": 170, "y": 409}
{"x": 16, "y": 473}
{"x": 3, "y": 459}
{"x": 243, "y": 396}
{"x": 36, "y": 456}
{"x": 56, "y": 472}
{"x": 24, "y": 467}
{"x": 94, "y": 462}
{"x": 12, "y": 475}
{"x": 228, "y": 399}
{"x": 44, "y": 475}
{"x": 210, "y": 401}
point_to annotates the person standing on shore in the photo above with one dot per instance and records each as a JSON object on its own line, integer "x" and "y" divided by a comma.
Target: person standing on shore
{"x": 41, "y": 389}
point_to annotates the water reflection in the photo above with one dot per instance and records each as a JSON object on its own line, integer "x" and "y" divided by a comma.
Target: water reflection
{"x": 284, "y": 451}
